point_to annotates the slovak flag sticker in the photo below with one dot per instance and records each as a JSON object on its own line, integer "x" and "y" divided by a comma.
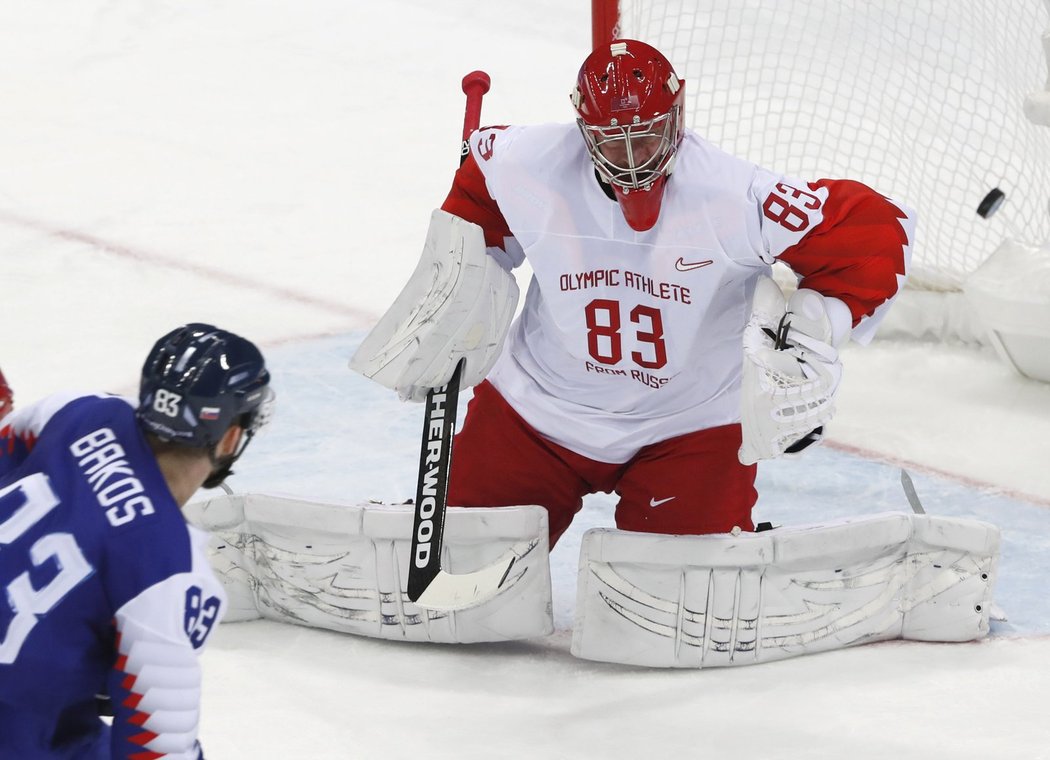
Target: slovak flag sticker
{"x": 209, "y": 413}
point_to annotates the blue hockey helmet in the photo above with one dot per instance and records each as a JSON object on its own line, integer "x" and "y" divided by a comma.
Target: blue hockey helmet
{"x": 198, "y": 381}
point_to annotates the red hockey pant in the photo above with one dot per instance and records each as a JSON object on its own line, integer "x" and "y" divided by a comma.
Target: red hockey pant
{"x": 689, "y": 485}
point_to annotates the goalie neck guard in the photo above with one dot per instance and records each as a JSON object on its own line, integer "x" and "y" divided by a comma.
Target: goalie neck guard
{"x": 628, "y": 100}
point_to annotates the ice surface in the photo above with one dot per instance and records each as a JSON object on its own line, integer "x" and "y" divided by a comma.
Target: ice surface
{"x": 271, "y": 167}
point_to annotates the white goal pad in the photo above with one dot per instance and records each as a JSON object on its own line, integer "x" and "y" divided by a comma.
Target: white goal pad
{"x": 708, "y": 601}
{"x": 345, "y": 568}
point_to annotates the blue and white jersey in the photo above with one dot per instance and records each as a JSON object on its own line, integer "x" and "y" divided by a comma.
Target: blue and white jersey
{"x": 104, "y": 588}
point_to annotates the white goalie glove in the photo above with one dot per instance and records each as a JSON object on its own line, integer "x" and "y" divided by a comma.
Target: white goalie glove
{"x": 791, "y": 370}
{"x": 458, "y": 304}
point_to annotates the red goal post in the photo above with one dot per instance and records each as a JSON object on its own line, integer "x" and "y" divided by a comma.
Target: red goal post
{"x": 921, "y": 100}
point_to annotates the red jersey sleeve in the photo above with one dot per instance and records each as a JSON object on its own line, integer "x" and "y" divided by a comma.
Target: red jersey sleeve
{"x": 859, "y": 251}
{"x": 19, "y": 431}
{"x": 7, "y": 397}
{"x": 469, "y": 199}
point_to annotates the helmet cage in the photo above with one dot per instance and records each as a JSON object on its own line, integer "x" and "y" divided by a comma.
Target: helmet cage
{"x": 647, "y": 149}
{"x": 256, "y": 418}
{"x": 251, "y": 422}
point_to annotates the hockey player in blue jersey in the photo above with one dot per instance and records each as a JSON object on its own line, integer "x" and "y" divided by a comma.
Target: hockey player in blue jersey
{"x": 104, "y": 587}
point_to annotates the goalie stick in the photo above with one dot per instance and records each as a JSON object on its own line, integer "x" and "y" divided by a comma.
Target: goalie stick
{"x": 428, "y": 585}
{"x": 910, "y": 493}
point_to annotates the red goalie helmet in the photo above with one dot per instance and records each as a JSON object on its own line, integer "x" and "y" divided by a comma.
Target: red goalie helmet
{"x": 629, "y": 101}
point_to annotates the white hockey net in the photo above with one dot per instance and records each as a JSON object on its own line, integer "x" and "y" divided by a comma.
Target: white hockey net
{"x": 921, "y": 100}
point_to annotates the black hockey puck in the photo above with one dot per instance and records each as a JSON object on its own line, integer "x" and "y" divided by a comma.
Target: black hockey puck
{"x": 990, "y": 203}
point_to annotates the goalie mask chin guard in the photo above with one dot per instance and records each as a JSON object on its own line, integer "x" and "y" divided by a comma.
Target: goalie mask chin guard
{"x": 199, "y": 380}
{"x": 628, "y": 100}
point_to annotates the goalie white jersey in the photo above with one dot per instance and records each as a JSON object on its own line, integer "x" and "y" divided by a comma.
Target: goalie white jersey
{"x": 628, "y": 338}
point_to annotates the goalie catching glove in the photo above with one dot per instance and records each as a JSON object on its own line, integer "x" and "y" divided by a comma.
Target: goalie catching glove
{"x": 791, "y": 370}
{"x": 458, "y": 304}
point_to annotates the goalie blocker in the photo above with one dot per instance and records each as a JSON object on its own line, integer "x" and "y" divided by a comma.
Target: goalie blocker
{"x": 457, "y": 305}
{"x": 642, "y": 599}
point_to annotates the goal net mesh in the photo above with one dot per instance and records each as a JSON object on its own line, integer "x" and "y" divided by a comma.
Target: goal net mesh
{"x": 921, "y": 100}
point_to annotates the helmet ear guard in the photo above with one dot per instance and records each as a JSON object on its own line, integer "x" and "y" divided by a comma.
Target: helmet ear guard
{"x": 628, "y": 101}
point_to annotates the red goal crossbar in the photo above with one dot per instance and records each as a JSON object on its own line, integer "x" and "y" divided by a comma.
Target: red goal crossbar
{"x": 605, "y": 21}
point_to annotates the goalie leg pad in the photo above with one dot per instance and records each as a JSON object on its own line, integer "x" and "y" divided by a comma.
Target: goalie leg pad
{"x": 721, "y": 600}
{"x": 345, "y": 568}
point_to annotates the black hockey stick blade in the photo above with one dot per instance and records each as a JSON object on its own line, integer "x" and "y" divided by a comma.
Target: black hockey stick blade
{"x": 428, "y": 585}
{"x": 435, "y": 457}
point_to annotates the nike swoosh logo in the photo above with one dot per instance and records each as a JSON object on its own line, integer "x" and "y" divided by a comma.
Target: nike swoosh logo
{"x": 658, "y": 502}
{"x": 682, "y": 266}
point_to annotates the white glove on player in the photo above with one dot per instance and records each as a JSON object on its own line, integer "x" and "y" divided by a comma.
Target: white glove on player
{"x": 458, "y": 304}
{"x": 791, "y": 370}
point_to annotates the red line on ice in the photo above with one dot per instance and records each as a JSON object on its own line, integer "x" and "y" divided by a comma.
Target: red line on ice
{"x": 360, "y": 318}
{"x": 916, "y": 467}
